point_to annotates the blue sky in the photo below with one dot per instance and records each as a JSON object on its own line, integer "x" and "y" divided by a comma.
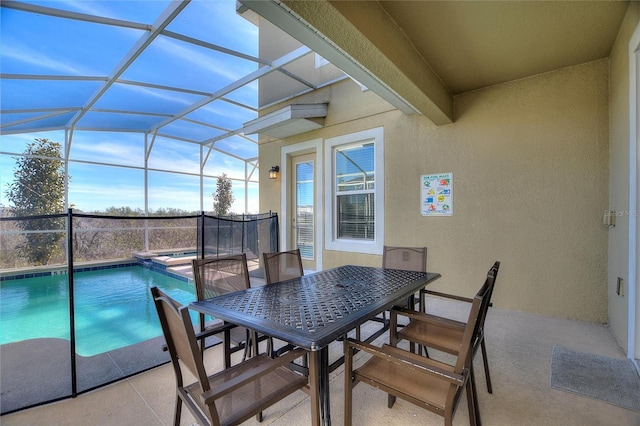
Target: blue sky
{"x": 41, "y": 45}
{"x": 96, "y": 187}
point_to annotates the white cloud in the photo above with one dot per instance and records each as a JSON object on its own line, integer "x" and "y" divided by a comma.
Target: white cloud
{"x": 158, "y": 94}
{"x": 23, "y": 53}
{"x": 185, "y": 53}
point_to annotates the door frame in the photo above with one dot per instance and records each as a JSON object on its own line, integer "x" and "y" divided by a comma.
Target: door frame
{"x": 286, "y": 152}
{"x": 633, "y": 342}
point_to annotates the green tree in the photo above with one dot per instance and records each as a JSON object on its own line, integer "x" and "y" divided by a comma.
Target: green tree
{"x": 223, "y": 197}
{"x": 38, "y": 189}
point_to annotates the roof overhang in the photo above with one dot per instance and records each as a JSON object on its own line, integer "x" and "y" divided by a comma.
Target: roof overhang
{"x": 361, "y": 39}
{"x": 288, "y": 121}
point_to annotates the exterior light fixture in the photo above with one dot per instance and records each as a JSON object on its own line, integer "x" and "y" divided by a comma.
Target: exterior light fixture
{"x": 273, "y": 172}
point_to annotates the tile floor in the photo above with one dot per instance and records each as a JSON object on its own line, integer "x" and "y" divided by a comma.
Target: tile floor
{"x": 519, "y": 346}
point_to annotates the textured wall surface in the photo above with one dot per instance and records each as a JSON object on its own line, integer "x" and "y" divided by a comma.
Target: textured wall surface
{"x": 530, "y": 164}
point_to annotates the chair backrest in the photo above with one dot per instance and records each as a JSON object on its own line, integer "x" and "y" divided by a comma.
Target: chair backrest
{"x": 407, "y": 258}
{"x": 491, "y": 280}
{"x": 217, "y": 276}
{"x": 479, "y": 307}
{"x": 180, "y": 337}
{"x": 282, "y": 266}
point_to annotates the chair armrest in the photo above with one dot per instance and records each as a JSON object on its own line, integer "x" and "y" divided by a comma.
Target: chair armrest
{"x": 423, "y": 317}
{"x": 209, "y": 332}
{"x": 445, "y": 295}
{"x": 410, "y": 360}
{"x": 448, "y": 296}
{"x": 218, "y": 328}
{"x": 249, "y": 373}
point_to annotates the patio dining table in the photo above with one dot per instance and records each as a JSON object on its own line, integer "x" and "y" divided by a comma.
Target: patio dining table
{"x": 314, "y": 310}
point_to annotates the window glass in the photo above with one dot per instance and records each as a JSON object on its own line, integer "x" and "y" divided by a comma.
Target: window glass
{"x": 355, "y": 203}
{"x": 355, "y": 167}
{"x": 356, "y": 216}
{"x": 355, "y": 185}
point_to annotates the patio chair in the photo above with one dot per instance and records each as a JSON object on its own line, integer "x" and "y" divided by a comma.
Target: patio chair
{"x": 408, "y": 259}
{"x": 214, "y": 277}
{"x": 232, "y": 395}
{"x": 422, "y": 381}
{"x": 282, "y": 266}
{"x": 444, "y": 334}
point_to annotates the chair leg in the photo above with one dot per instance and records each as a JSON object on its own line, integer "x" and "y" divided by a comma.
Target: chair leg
{"x": 247, "y": 346}
{"x": 486, "y": 366}
{"x": 448, "y": 419}
{"x": 474, "y": 395}
{"x": 348, "y": 386}
{"x": 271, "y": 348}
{"x": 391, "y": 399}
{"x": 178, "y": 411}
{"x": 470, "y": 404}
{"x": 426, "y": 351}
{"x": 227, "y": 348}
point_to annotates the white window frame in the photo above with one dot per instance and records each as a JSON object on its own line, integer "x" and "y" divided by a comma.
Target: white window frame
{"x": 286, "y": 152}
{"x": 376, "y": 245}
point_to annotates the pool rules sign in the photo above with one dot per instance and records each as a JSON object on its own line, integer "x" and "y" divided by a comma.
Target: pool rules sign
{"x": 436, "y": 194}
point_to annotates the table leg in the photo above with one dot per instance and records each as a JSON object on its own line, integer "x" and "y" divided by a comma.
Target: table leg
{"x": 314, "y": 387}
{"x": 319, "y": 385}
{"x": 324, "y": 382}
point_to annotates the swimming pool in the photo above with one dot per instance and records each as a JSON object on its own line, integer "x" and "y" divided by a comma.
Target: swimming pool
{"x": 113, "y": 307}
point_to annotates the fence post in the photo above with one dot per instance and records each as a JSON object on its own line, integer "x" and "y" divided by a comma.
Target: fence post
{"x": 201, "y": 233}
{"x": 242, "y": 234}
{"x": 217, "y": 236}
{"x": 276, "y": 231}
{"x": 72, "y": 325}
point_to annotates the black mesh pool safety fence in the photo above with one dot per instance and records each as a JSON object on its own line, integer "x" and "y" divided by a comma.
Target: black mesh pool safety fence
{"x": 84, "y": 318}
{"x": 225, "y": 236}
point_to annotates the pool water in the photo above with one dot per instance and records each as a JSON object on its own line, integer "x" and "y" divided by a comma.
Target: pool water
{"x": 113, "y": 307}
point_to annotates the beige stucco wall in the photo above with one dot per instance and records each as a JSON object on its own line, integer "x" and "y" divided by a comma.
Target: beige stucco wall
{"x": 530, "y": 163}
{"x": 619, "y": 175}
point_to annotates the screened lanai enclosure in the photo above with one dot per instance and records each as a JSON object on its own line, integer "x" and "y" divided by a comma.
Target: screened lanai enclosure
{"x": 145, "y": 108}
{"x": 148, "y": 99}
{"x": 151, "y": 101}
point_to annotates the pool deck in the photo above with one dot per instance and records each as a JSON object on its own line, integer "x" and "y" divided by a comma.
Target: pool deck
{"x": 519, "y": 346}
{"x": 48, "y": 376}
{"x": 38, "y": 370}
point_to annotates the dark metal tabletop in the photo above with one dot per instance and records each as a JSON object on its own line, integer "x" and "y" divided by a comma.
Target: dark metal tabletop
{"x": 316, "y": 309}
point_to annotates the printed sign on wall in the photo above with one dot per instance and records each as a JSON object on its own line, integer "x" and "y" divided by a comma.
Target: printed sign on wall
{"x": 436, "y": 194}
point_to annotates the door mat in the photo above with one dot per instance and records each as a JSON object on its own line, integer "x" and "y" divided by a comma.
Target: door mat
{"x": 608, "y": 379}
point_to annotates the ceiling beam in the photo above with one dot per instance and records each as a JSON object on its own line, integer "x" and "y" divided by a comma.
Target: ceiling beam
{"x": 361, "y": 39}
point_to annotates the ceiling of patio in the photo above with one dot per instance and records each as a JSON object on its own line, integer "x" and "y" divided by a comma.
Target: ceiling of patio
{"x": 426, "y": 52}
